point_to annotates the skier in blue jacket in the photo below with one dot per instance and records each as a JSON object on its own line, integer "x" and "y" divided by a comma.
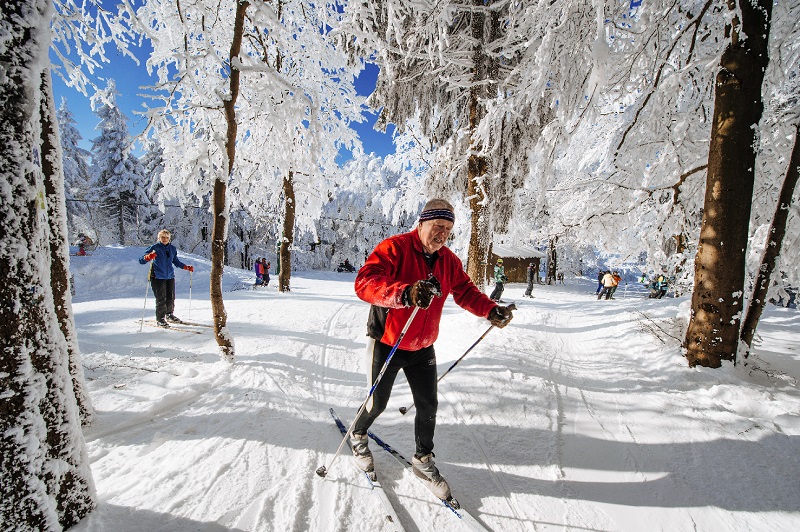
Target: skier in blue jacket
{"x": 162, "y": 276}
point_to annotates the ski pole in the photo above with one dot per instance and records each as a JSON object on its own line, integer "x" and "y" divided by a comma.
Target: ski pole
{"x": 190, "y": 293}
{"x": 146, "y": 289}
{"x": 323, "y": 470}
{"x": 403, "y": 409}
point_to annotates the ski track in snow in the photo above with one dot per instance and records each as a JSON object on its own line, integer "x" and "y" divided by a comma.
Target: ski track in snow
{"x": 570, "y": 418}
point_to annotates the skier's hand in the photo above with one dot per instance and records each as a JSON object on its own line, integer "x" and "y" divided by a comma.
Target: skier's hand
{"x": 421, "y": 293}
{"x": 500, "y": 316}
{"x": 190, "y": 268}
{"x": 150, "y": 256}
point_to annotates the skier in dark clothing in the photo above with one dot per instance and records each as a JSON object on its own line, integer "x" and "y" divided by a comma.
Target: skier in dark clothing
{"x": 162, "y": 276}
{"x": 395, "y": 279}
{"x": 530, "y": 278}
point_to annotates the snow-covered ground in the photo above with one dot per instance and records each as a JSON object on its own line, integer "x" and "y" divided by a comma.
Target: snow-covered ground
{"x": 580, "y": 415}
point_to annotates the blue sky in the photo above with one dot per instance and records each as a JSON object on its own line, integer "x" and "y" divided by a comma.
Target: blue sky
{"x": 130, "y": 77}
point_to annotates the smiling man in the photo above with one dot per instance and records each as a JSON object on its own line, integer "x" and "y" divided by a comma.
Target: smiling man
{"x": 414, "y": 269}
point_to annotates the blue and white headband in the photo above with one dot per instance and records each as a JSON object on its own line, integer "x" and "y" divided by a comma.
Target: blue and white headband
{"x": 433, "y": 214}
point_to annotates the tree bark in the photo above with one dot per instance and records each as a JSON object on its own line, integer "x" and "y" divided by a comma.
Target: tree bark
{"x": 552, "y": 261}
{"x": 219, "y": 230}
{"x": 477, "y": 165}
{"x": 44, "y": 472}
{"x": 713, "y": 332}
{"x": 53, "y": 174}
{"x": 777, "y": 231}
{"x": 285, "y": 254}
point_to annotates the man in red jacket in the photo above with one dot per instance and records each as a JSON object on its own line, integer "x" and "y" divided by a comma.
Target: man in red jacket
{"x": 414, "y": 269}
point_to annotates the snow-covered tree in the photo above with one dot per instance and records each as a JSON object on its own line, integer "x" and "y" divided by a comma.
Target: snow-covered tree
{"x": 443, "y": 65}
{"x": 54, "y": 183}
{"x": 45, "y": 482}
{"x": 718, "y": 297}
{"x": 265, "y": 95}
{"x": 119, "y": 183}
{"x": 77, "y": 179}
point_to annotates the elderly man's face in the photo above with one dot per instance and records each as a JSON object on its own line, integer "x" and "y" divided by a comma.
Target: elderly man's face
{"x": 434, "y": 233}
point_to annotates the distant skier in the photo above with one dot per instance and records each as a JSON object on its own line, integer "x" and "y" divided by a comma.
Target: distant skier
{"x": 608, "y": 284}
{"x": 530, "y": 278}
{"x": 662, "y": 285}
{"x": 499, "y": 281}
{"x": 83, "y": 242}
{"x": 162, "y": 276}
{"x": 259, "y": 269}
{"x": 394, "y": 279}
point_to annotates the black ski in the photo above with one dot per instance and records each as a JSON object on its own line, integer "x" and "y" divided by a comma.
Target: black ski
{"x": 194, "y": 324}
{"x": 377, "y": 488}
{"x": 451, "y": 503}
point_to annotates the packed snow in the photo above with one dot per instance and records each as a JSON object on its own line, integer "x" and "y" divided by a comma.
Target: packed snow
{"x": 579, "y": 415}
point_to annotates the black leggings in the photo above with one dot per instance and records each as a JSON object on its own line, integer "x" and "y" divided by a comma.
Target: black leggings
{"x": 420, "y": 370}
{"x": 164, "y": 291}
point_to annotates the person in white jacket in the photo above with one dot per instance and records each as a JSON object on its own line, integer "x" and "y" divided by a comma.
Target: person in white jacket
{"x": 608, "y": 285}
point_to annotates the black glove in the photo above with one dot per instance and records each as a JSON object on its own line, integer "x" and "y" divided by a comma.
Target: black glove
{"x": 500, "y": 316}
{"x": 421, "y": 293}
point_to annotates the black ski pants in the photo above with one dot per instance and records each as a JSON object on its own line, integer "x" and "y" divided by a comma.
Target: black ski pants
{"x": 529, "y": 290}
{"x": 164, "y": 292}
{"x": 497, "y": 293}
{"x": 420, "y": 370}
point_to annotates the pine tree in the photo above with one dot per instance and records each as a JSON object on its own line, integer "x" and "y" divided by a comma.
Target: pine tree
{"x": 77, "y": 179}
{"x": 118, "y": 179}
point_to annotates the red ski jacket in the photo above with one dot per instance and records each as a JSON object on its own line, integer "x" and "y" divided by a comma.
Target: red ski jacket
{"x": 395, "y": 264}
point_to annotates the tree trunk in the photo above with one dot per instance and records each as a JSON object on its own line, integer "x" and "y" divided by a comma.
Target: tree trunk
{"x": 121, "y": 219}
{"x": 53, "y": 175}
{"x": 713, "y": 332}
{"x": 777, "y": 232}
{"x": 680, "y": 249}
{"x": 552, "y": 261}
{"x": 219, "y": 231}
{"x": 478, "y": 238}
{"x": 285, "y": 254}
{"x": 44, "y": 468}
{"x": 477, "y": 165}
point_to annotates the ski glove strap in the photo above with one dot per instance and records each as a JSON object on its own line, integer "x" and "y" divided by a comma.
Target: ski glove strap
{"x": 500, "y": 316}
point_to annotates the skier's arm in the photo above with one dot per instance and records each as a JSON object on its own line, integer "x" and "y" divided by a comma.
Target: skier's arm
{"x": 149, "y": 250}
{"x": 376, "y": 282}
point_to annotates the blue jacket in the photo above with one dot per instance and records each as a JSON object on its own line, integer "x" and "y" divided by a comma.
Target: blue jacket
{"x": 166, "y": 256}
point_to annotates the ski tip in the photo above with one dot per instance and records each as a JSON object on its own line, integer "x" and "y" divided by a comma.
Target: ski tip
{"x": 322, "y": 471}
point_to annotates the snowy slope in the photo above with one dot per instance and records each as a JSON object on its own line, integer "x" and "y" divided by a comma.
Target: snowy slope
{"x": 581, "y": 414}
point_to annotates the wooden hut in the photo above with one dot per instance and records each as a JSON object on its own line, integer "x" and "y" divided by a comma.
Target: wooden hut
{"x": 515, "y": 261}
